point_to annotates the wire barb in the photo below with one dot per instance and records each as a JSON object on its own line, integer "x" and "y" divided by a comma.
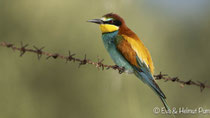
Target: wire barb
{"x": 70, "y": 57}
{"x": 100, "y": 64}
{"x": 83, "y": 62}
{"x": 39, "y": 52}
{"x": 22, "y": 49}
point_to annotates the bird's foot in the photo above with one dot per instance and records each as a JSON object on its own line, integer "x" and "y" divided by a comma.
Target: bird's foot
{"x": 121, "y": 69}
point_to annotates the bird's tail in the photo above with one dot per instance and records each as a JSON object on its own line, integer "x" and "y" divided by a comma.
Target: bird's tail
{"x": 145, "y": 75}
{"x": 165, "y": 103}
{"x": 147, "y": 78}
{"x": 167, "y": 107}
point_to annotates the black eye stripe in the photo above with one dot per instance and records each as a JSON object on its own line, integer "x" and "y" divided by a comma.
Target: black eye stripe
{"x": 117, "y": 22}
{"x": 113, "y": 22}
{"x": 109, "y": 22}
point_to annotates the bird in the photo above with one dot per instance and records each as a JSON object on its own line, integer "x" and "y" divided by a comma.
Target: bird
{"x": 128, "y": 51}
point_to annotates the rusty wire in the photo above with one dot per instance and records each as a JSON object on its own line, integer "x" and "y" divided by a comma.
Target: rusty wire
{"x": 71, "y": 57}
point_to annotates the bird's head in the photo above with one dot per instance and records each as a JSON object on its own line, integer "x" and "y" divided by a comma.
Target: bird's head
{"x": 109, "y": 22}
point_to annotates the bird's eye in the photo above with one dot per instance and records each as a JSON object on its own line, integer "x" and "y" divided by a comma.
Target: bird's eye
{"x": 111, "y": 21}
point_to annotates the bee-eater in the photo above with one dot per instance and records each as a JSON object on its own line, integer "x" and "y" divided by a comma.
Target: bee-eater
{"x": 128, "y": 51}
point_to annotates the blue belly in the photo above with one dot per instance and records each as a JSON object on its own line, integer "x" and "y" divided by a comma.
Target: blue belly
{"x": 109, "y": 43}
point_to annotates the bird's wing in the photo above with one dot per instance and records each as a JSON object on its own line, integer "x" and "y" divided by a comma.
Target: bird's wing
{"x": 138, "y": 56}
{"x": 132, "y": 48}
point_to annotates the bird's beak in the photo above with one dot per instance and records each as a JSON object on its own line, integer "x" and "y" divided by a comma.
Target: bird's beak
{"x": 97, "y": 21}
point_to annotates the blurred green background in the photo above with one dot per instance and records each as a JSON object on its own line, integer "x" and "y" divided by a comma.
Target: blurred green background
{"x": 177, "y": 33}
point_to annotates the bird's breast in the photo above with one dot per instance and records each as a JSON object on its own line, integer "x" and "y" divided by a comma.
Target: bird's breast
{"x": 109, "y": 43}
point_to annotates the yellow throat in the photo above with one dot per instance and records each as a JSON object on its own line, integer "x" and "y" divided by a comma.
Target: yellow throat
{"x": 105, "y": 28}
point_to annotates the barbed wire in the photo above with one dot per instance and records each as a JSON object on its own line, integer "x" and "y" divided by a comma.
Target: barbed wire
{"x": 99, "y": 64}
